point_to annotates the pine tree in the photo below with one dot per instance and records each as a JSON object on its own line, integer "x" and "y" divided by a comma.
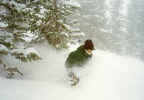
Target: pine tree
{"x": 25, "y": 22}
{"x": 53, "y": 21}
{"x": 14, "y": 34}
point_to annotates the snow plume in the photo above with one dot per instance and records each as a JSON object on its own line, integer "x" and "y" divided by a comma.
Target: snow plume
{"x": 46, "y": 69}
{"x": 106, "y": 77}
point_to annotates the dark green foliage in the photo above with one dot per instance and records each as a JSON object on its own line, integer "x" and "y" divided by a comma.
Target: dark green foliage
{"x": 33, "y": 56}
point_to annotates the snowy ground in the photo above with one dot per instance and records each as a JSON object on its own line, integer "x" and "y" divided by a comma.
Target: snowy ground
{"x": 106, "y": 77}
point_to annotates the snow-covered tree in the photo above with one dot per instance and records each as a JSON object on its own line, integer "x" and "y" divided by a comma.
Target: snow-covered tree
{"x": 54, "y": 20}
{"x": 25, "y": 22}
{"x": 14, "y": 35}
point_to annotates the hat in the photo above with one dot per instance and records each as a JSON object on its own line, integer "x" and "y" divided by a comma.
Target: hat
{"x": 89, "y": 44}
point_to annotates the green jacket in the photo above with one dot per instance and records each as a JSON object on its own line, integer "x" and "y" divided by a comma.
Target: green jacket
{"x": 77, "y": 58}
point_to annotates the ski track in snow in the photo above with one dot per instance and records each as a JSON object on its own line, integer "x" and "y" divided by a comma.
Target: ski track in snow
{"x": 106, "y": 77}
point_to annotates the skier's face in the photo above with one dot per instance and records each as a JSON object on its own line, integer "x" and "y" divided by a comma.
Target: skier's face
{"x": 89, "y": 51}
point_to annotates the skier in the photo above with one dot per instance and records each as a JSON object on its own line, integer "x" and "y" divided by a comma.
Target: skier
{"x": 78, "y": 58}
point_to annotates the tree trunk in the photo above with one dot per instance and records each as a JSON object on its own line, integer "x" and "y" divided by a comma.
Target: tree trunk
{"x": 56, "y": 15}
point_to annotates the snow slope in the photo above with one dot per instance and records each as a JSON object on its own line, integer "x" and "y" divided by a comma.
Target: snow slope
{"x": 106, "y": 77}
